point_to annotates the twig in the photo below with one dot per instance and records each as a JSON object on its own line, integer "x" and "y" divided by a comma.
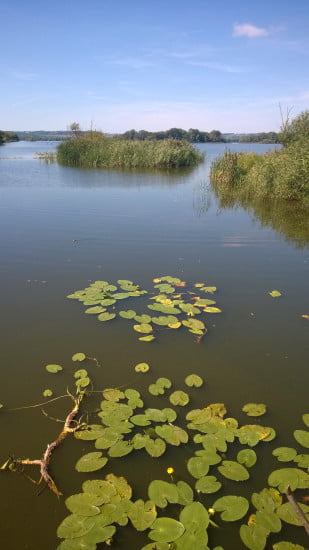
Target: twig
{"x": 297, "y": 509}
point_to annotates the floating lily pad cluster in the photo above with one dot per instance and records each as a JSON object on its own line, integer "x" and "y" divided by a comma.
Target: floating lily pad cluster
{"x": 171, "y": 304}
{"x": 126, "y": 424}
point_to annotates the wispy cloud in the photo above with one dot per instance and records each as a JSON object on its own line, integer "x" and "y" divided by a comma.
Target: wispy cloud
{"x": 251, "y": 31}
{"x": 131, "y": 62}
{"x": 219, "y": 66}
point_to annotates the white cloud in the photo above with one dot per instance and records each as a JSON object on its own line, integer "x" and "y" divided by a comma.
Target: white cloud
{"x": 246, "y": 29}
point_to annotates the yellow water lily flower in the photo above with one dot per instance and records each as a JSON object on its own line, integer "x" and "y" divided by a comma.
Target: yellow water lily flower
{"x": 170, "y": 470}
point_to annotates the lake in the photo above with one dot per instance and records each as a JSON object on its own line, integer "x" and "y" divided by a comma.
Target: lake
{"x": 61, "y": 229}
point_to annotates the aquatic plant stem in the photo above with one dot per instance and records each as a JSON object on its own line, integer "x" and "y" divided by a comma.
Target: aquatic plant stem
{"x": 298, "y": 510}
{"x": 43, "y": 462}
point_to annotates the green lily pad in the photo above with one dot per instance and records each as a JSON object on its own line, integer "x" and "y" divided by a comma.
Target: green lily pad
{"x": 148, "y": 338}
{"x": 305, "y": 418}
{"x": 285, "y": 454}
{"x": 251, "y": 434}
{"x": 76, "y": 544}
{"x": 154, "y": 389}
{"x": 107, "y": 438}
{"x": 302, "y": 437}
{"x": 254, "y": 536}
{"x": 247, "y": 457}
{"x": 179, "y": 398}
{"x": 254, "y": 409}
{"x": 194, "y": 380}
{"x": 162, "y": 492}
{"x": 185, "y": 493}
{"x": 107, "y": 302}
{"x": 142, "y": 318}
{"x": 164, "y": 320}
{"x": 142, "y": 367}
{"x": 174, "y": 435}
{"x": 113, "y": 394}
{"x": 267, "y": 499}
{"x": 157, "y": 546}
{"x": 123, "y": 489}
{"x": 53, "y": 368}
{"x": 155, "y": 415}
{"x": 198, "y": 466}
{"x": 194, "y": 517}
{"x": 140, "y": 420}
{"x": 106, "y": 316}
{"x": 207, "y": 485}
{"x": 145, "y": 328}
{"x": 120, "y": 448}
{"x": 170, "y": 414}
{"x": 155, "y": 447}
{"x": 163, "y": 308}
{"x": 189, "y": 309}
{"x": 91, "y": 462}
{"x": 80, "y": 373}
{"x": 99, "y": 488}
{"x": 95, "y": 310}
{"x": 129, "y": 314}
{"x": 142, "y": 514}
{"x": 287, "y": 513}
{"x": 90, "y": 432}
{"x": 164, "y": 382}
{"x": 289, "y": 477}
{"x": 74, "y": 526}
{"x": 269, "y": 520}
{"x": 84, "y": 504}
{"x": 46, "y": 393}
{"x": 232, "y": 507}
{"x": 78, "y": 357}
{"x": 166, "y": 530}
{"x": 100, "y": 533}
{"x": 233, "y": 470}
{"x": 82, "y": 382}
{"x": 285, "y": 545}
{"x": 275, "y": 293}
{"x": 302, "y": 460}
{"x": 194, "y": 324}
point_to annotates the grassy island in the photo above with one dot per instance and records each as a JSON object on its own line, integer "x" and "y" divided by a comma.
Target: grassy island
{"x": 280, "y": 174}
{"x": 95, "y": 150}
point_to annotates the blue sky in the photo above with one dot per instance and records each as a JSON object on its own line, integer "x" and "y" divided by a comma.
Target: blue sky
{"x": 154, "y": 64}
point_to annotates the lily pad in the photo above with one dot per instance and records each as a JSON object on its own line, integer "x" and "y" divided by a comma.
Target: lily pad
{"x": 155, "y": 447}
{"x": 120, "y": 448}
{"x": 247, "y": 457}
{"x": 84, "y": 504}
{"x": 113, "y": 394}
{"x": 194, "y": 380}
{"x": 254, "y": 409}
{"x": 166, "y": 530}
{"x": 251, "y": 434}
{"x": 129, "y": 314}
{"x": 211, "y": 309}
{"x": 179, "y": 398}
{"x": 232, "y": 507}
{"x": 95, "y": 310}
{"x": 142, "y": 367}
{"x": 145, "y": 328}
{"x": 287, "y": 513}
{"x": 275, "y": 293}
{"x": 185, "y": 493}
{"x": 305, "y": 418}
{"x": 106, "y": 316}
{"x": 269, "y": 520}
{"x": 142, "y": 514}
{"x": 162, "y": 492}
{"x": 53, "y": 368}
{"x": 74, "y": 526}
{"x": 198, "y": 466}
{"x": 91, "y": 462}
{"x": 80, "y": 373}
{"x": 207, "y": 485}
{"x": 174, "y": 435}
{"x": 285, "y": 454}
{"x": 289, "y": 477}
{"x": 142, "y": 318}
{"x": 254, "y": 536}
{"x": 302, "y": 437}
{"x": 164, "y": 382}
{"x": 148, "y": 338}
{"x": 233, "y": 470}
{"x": 46, "y": 393}
{"x": 267, "y": 499}
{"x": 78, "y": 357}
{"x": 285, "y": 545}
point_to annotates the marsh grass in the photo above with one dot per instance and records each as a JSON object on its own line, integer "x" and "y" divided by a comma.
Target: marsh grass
{"x": 94, "y": 150}
{"x": 280, "y": 174}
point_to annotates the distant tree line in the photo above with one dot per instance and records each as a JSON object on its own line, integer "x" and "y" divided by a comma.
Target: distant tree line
{"x": 5, "y": 137}
{"x": 193, "y": 135}
{"x": 263, "y": 137}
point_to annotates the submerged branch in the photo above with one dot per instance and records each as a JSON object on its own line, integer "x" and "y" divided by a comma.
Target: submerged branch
{"x": 297, "y": 509}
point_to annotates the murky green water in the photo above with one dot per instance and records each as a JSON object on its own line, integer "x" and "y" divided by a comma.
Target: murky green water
{"x": 61, "y": 228}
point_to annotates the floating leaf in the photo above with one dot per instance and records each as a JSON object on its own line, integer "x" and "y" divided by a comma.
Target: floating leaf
{"x": 287, "y": 513}
{"x": 155, "y": 447}
{"x": 185, "y": 493}
{"x": 155, "y": 390}
{"x": 267, "y": 499}
{"x": 233, "y": 470}
{"x": 163, "y": 382}
{"x": 284, "y": 545}
{"x": 106, "y": 316}
{"x": 285, "y": 477}
{"x": 162, "y": 492}
{"x": 232, "y": 507}
{"x": 251, "y": 434}
{"x": 275, "y": 293}
{"x": 164, "y": 308}
{"x": 74, "y": 526}
{"x": 179, "y": 398}
{"x": 305, "y": 418}
{"x": 254, "y": 409}
{"x": 91, "y": 462}
{"x": 166, "y": 530}
{"x": 210, "y": 309}
{"x": 140, "y": 420}
{"x": 247, "y": 457}
{"x": 254, "y": 536}
{"x": 142, "y": 367}
{"x": 95, "y": 310}
{"x": 194, "y": 324}
{"x": 145, "y": 328}
{"x": 285, "y": 454}
{"x": 81, "y": 373}
{"x": 113, "y": 394}
{"x": 302, "y": 437}
{"x": 164, "y": 320}
{"x": 53, "y": 368}
{"x": 148, "y": 338}
{"x": 174, "y": 325}
{"x": 84, "y": 504}
{"x": 142, "y": 514}
{"x": 107, "y": 302}
{"x": 269, "y": 520}
{"x": 78, "y": 357}
{"x": 143, "y": 318}
{"x": 305, "y": 316}
{"x": 207, "y": 485}
{"x": 194, "y": 380}
{"x": 46, "y": 393}
{"x": 302, "y": 460}
{"x": 198, "y": 466}
{"x": 129, "y": 314}
{"x": 120, "y": 448}
{"x": 90, "y": 432}
{"x": 77, "y": 544}
{"x": 174, "y": 435}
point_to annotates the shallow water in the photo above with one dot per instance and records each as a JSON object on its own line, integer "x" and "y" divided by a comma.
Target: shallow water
{"x": 61, "y": 228}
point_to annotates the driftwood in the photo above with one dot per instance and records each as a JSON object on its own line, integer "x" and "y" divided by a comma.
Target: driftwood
{"x": 43, "y": 462}
{"x": 297, "y": 509}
